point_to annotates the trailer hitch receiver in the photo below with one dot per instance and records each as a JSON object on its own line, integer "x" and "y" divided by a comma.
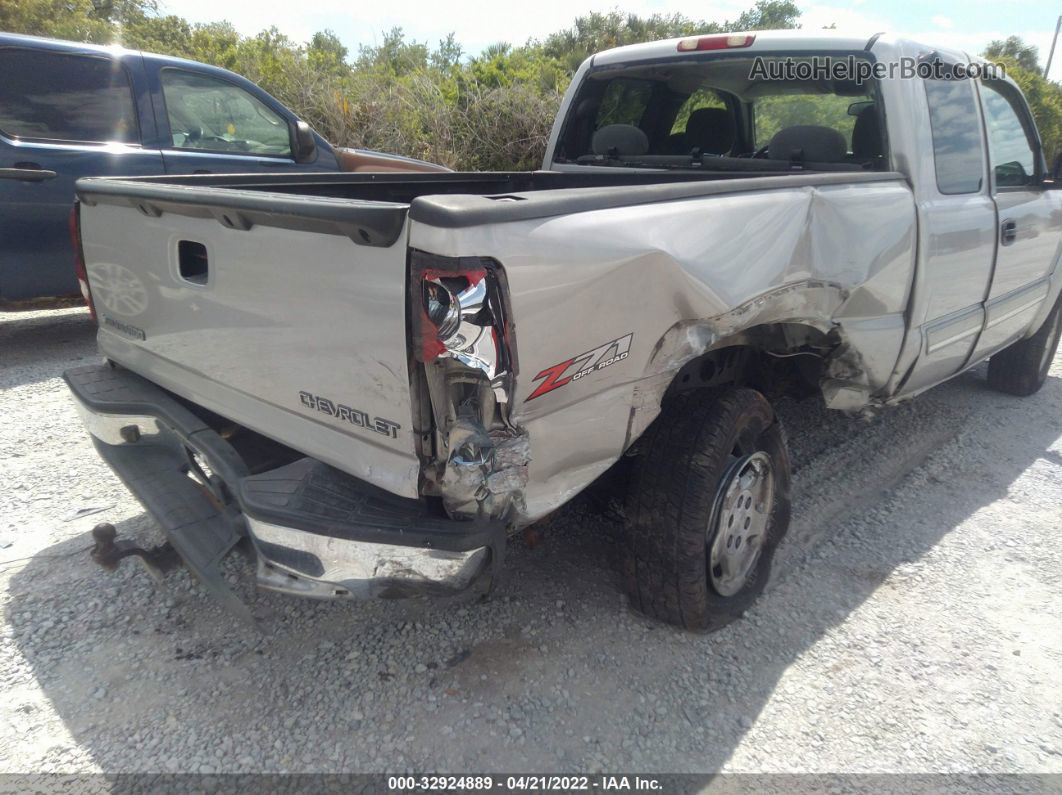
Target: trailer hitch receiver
{"x": 108, "y": 551}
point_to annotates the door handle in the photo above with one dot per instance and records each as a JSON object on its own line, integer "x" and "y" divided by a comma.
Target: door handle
{"x": 1008, "y": 233}
{"x": 27, "y": 174}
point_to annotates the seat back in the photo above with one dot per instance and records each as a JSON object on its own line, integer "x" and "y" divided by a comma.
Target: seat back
{"x": 808, "y": 143}
{"x": 866, "y": 135}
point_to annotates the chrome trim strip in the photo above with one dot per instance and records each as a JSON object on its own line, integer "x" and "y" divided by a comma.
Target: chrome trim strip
{"x": 1039, "y": 289}
{"x": 936, "y": 346}
{"x": 969, "y": 322}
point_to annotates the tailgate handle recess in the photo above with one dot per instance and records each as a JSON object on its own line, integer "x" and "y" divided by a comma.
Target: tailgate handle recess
{"x": 192, "y": 262}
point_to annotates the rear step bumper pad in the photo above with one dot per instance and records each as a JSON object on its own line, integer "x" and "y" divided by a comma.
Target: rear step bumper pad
{"x": 318, "y": 532}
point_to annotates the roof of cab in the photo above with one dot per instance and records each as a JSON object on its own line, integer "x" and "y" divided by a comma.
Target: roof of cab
{"x": 114, "y": 51}
{"x": 59, "y": 45}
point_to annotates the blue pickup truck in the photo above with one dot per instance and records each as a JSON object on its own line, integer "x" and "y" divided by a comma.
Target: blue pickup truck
{"x": 72, "y": 110}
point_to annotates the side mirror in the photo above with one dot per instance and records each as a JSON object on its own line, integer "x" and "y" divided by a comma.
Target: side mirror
{"x": 303, "y": 143}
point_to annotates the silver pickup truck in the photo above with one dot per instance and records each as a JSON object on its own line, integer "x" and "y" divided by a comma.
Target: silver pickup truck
{"x": 370, "y": 380}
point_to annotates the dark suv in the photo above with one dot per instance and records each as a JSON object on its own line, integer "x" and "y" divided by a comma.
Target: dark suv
{"x": 72, "y": 110}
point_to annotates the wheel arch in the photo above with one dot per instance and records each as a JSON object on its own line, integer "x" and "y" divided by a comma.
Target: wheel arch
{"x": 783, "y": 343}
{"x": 764, "y": 357}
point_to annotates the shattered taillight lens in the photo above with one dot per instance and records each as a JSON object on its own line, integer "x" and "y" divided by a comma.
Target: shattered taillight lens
{"x": 79, "y": 257}
{"x": 459, "y": 312}
{"x": 462, "y": 336}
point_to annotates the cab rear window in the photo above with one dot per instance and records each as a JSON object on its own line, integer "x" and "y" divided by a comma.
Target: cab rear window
{"x": 719, "y": 113}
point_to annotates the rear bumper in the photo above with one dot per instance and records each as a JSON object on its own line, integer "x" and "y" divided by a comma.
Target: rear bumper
{"x": 307, "y": 564}
{"x": 320, "y": 532}
{"x": 317, "y": 531}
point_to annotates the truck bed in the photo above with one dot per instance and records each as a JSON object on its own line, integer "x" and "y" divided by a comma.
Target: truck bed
{"x": 280, "y": 302}
{"x": 473, "y": 193}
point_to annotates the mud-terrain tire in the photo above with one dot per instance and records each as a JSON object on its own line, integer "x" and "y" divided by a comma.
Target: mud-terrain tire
{"x": 1021, "y": 369}
{"x": 695, "y": 459}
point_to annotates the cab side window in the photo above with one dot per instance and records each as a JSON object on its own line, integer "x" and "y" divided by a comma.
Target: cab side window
{"x": 47, "y": 96}
{"x": 213, "y": 115}
{"x": 958, "y": 157}
{"x": 1011, "y": 148}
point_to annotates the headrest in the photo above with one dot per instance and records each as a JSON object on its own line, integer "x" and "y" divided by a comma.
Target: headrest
{"x": 866, "y": 134}
{"x": 808, "y": 142}
{"x": 625, "y": 139}
{"x": 711, "y": 130}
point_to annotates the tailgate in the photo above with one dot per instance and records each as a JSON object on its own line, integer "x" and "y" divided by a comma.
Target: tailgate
{"x": 280, "y": 312}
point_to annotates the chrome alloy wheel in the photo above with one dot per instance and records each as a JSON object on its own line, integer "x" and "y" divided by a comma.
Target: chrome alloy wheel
{"x": 739, "y": 526}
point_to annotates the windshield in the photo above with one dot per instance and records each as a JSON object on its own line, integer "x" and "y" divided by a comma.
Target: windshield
{"x": 716, "y": 113}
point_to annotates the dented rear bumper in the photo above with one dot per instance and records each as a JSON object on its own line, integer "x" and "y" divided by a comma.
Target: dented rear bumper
{"x": 316, "y": 531}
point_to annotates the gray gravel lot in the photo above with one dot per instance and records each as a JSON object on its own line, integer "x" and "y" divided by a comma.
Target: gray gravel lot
{"x": 915, "y": 622}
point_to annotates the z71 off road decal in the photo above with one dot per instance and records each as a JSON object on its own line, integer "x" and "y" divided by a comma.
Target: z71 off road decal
{"x": 582, "y": 365}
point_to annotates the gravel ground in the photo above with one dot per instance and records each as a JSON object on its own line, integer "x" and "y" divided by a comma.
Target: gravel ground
{"x": 914, "y": 623}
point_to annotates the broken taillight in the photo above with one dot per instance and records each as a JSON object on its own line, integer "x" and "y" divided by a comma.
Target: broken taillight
{"x": 474, "y": 458}
{"x": 79, "y": 257}
{"x": 458, "y": 311}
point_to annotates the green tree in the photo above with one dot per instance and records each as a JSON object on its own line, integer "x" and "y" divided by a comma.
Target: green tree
{"x": 1044, "y": 96}
{"x": 1015, "y": 50}
{"x": 64, "y": 19}
{"x": 326, "y": 54}
{"x": 395, "y": 55}
{"x": 596, "y": 31}
{"x": 767, "y": 15}
{"x": 448, "y": 54}
{"x": 124, "y": 10}
{"x": 169, "y": 34}
{"x": 501, "y": 65}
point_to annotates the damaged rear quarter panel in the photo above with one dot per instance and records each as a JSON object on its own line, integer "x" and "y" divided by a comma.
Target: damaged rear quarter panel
{"x": 680, "y": 276}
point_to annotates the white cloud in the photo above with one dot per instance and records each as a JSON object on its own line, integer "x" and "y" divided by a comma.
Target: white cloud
{"x": 942, "y": 22}
{"x": 851, "y": 20}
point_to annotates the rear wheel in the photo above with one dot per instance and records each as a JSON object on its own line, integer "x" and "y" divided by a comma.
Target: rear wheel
{"x": 1021, "y": 368}
{"x": 707, "y": 506}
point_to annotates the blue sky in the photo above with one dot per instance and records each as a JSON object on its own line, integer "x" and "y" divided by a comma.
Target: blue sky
{"x": 968, "y": 25}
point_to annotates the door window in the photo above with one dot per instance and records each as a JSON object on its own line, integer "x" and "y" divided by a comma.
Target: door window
{"x": 1010, "y": 144}
{"x": 957, "y": 151}
{"x": 214, "y": 115}
{"x": 51, "y": 96}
